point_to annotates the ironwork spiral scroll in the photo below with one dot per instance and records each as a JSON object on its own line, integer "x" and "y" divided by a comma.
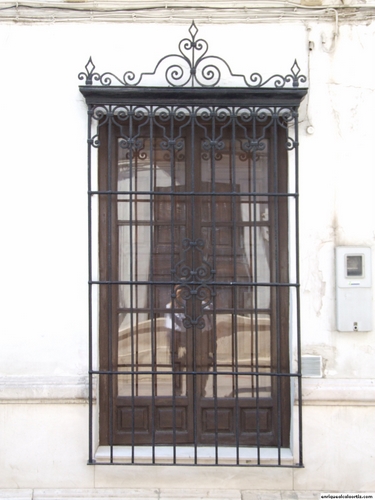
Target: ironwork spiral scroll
{"x": 193, "y": 66}
{"x": 203, "y": 117}
{"x": 194, "y": 282}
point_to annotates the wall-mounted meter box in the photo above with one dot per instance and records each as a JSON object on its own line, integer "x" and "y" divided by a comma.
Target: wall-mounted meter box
{"x": 353, "y": 289}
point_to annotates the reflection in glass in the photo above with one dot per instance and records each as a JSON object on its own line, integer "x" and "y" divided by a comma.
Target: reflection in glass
{"x": 179, "y": 335}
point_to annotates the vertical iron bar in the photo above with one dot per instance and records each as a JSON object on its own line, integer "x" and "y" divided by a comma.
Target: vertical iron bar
{"x": 136, "y": 264}
{"x": 254, "y": 135}
{"x": 110, "y": 276}
{"x": 90, "y": 312}
{"x": 172, "y": 340}
{"x": 299, "y": 361}
{"x": 235, "y": 200}
{"x": 193, "y": 315}
{"x": 251, "y": 270}
{"x": 135, "y": 270}
{"x": 277, "y": 280}
{"x": 134, "y": 375}
{"x": 213, "y": 238}
{"x": 154, "y": 377}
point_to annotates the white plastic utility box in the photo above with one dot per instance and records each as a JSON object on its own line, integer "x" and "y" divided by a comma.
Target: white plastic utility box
{"x": 353, "y": 289}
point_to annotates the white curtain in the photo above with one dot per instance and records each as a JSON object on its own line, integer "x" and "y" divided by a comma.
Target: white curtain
{"x": 134, "y": 238}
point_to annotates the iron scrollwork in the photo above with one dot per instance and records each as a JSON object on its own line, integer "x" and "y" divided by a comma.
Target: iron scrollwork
{"x": 194, "y": 282}
{"x": 192, "y": 66}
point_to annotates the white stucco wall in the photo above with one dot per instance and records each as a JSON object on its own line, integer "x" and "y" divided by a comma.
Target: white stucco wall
{"x": 43, "y": 207}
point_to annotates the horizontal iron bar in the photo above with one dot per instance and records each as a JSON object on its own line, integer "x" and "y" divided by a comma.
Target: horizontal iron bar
{"x": 197, "y": 464}
{"x": 176, "y": 372}
{"x": 194, "y": 283}
{"x": 192, "y": 193}
{"x": 218, "y": 310}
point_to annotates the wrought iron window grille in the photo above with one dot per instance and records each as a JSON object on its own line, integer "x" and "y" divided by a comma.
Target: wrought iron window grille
{"x": 252, "y": 125}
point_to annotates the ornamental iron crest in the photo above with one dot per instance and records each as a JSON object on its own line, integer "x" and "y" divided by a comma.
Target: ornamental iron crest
{"x": 192, "y": 66}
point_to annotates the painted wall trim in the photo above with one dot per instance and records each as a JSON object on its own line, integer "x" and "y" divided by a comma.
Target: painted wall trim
{"x": 70, "y": 389}
{"x": 44, "y": 389}
{"x": 322, "y": 392}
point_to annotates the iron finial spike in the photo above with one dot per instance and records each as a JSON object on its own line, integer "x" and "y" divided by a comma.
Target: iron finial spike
{"x": 90, "y": 67}
{"x": 193, "y": 30}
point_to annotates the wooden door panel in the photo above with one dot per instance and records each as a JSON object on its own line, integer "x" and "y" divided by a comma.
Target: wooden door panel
{"x": 153, "y": 419}
{"x": 229, "y": 421}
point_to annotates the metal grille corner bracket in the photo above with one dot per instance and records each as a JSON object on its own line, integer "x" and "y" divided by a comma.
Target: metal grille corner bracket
{"x": 192, "y": 66}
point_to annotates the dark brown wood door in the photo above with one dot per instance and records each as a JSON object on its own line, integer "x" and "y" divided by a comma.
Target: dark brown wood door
{"x": 195, "y": 341}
